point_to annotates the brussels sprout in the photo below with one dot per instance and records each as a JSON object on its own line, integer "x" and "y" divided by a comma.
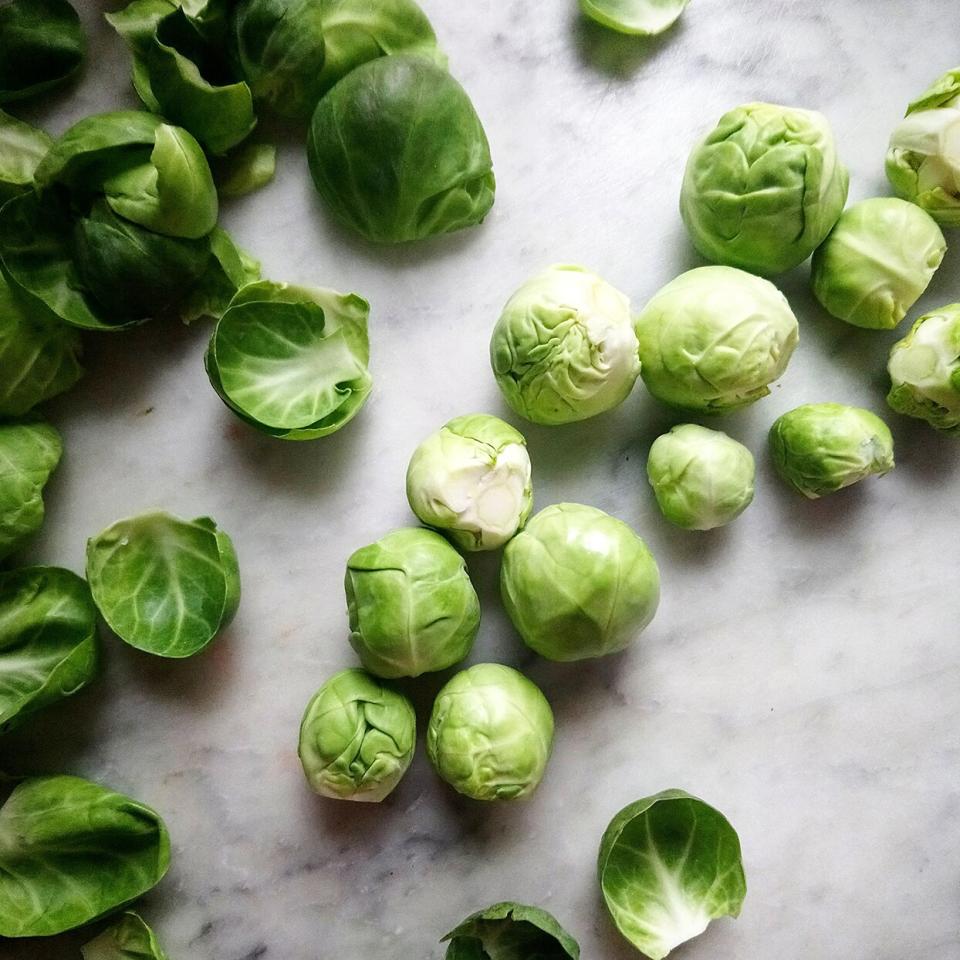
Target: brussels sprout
{"x": 924, "y": 370}
{"x": 292, "y": 361}
{"x": 71, "y": 852}
{"x": 877, "y": 262}
{"x": 578, "y": 583}
{"x": 643, "y": 18}
{"x": 490, "y": 733}
{"x": 412, "y": 606}
{"x": 764, "y": 188}
{"x": 471, "y": 479}
{"x": 822, "y": 447}
{"x": 22, "y": 147}
{"x": 127, "y": 939}
{"x": 356, "y": 738}
{"x": 398, "y": 153}
{"x": 29, "y": 453}
{"x": 165, "y": 586}
{"x": 668, "y": 865}
{"x": 564, "y": 347}
{"x": 714, "y": 338}
{"x": 511, "y": 931}
{"x": 701, "y": 478}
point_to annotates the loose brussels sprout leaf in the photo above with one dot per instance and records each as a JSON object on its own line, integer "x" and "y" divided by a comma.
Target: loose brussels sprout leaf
{"x": 471, "y": 479}
{"x": 877, "y": 262}
{"x": 701, "y": 478}
{"x": 924, "y": 370}
{"x": 822, "y": 447}
{"x": 290, "y": 360}
{"x": 43, "y": 46}
{"x": 128, "y": 939}
{"x": 48, "y": 641}
{"x": 71, "y": 852}
{"x": 228, "y": 270}
{"x": 22, "y": 147}
{"x": 668, "y": 865}
{"x": 764, "y": 188}
{"x": 943, "y": 92}
{"x": 356, "y": 738}
{"x": 29, "y": 453}
{"x": 398, "y": 152}
{"x": 511, "y": 931}
{"x": 245, "y": 169}
{"x": 564, "y": 347}
{"x": 43, "y": 351}
{"x": 578, "y": 583}
{"x": 411, "y": 604}
{"x": 490, "y": 733}
{"x": 714, "y": 338}
{"x": 164, "y": 585}
{"x": 641, "y": 17}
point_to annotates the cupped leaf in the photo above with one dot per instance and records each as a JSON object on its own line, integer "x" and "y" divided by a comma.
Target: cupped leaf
{"x": 72, "y": 851}
{"x": 245, "y": 169}
{"x": 640, "y": 17}
{"x": 128, "y": 939}
{"x": 511, "y": 931}
{"x": 22, "y": 147}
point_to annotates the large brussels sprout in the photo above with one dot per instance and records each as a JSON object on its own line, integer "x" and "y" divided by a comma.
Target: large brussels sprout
{"x": 668, "y": 865}
{"x": 356, "y": 738}
{"x": 490, "y": 733}
{"x": 701, "y": 478}
{"x": 822, "y": 447}
{"x": 564, "y": 348}
{"x": 398, "y": 152}
{"x": 924, "y": 370}
{"x": 643, "y": 18}
{"x": 129, "y": 938}
{"x": 511, "y": 931}
{"x": 578, "y": 583}
{"x": 22, "y": 147}
{"x": 764, "y": 188}
{"x": 412, "y": 606}
{"x": 471, "y": 479}
{"x": 876, "y": 262}
{"x": 714, "y": 339}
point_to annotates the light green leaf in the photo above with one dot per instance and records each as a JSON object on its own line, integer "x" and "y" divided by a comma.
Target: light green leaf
{"x": 22, "y": 147}
{"x": 641, "y": 17}
{"x": 128, "y": 939}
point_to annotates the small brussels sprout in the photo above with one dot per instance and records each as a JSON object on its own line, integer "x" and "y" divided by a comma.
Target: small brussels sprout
{"x": 701, "y": 478}
{"x": 764, "y": 188}
{"x": 471, "y": 479}
{"x": 511, "y": 931}
{"x": 714, "y": 338}
{"x": 877, "y": 262}
{"x": 411, "y": 604}
{"x": 924, "y": 370}
{"x": 356, "y": 738}
{"x": 822, "y": 447}
{"x": 564, "y": 348}
{"x": 578, "y": 583}
{"x": 644, "y": 18}
{"x": 490, "y": 733}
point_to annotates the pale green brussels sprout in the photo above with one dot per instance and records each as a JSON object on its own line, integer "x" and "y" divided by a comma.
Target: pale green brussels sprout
{"x": 701, "y": 478}
{"x": 411, "y": 604}
{"x": 471, "y": 479}
{"x": 764, "y": 188}
{"x": 564, "y": 348}
{"x": 924, "y": 370}
{"x": 877, "y": 262}
{"x": 491, "y": 733}
{"x": 578, "y": 583}
{"x": 822, "y": 447}
{"x": 714, "y": 338}
{"x": 356, "y": 738}
{"x": 644, "y": 18}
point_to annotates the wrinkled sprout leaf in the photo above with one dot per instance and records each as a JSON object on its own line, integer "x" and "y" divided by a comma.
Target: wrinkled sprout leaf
{"x": 511, "y": 931}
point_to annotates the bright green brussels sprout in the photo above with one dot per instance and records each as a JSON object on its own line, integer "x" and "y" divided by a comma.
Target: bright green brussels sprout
{"x": 668, "y": 865}
{"x": 292, "y": 361}
{"x": 511, "y": 931}
{"x": 578, "y": 583}
{"x": 924, "y": 370}
{"x": 490, "y": 733}
{"x": 356, "y": 738}
{"x": 764, "y": 188}
{"x": 22, "y": 147}
{"x": 714, "y": 338}
{"x": 129, "y": 938}
{"x": 564, "y": 347}
{"x": 876, "y": 262}
{"x": 701, "y": 478}
{"x": 398, "y": 152}
{"x": 471, "y": 479}
{"x": 822, "y": 447}
{"x": 644, "y": 18}
{"x": 412, "y": 606}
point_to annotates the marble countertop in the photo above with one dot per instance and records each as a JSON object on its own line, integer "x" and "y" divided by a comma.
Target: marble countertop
{"x": 803, "y": 673}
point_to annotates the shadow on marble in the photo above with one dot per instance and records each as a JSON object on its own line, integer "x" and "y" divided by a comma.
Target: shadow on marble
{"x": 618, "y": 55}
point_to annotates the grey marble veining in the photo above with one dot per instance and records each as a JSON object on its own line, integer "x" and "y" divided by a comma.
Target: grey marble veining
{"x": 803, "y": 673}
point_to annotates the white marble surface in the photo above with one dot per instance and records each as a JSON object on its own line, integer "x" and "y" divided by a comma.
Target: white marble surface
{"x": 803, "y": 673}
